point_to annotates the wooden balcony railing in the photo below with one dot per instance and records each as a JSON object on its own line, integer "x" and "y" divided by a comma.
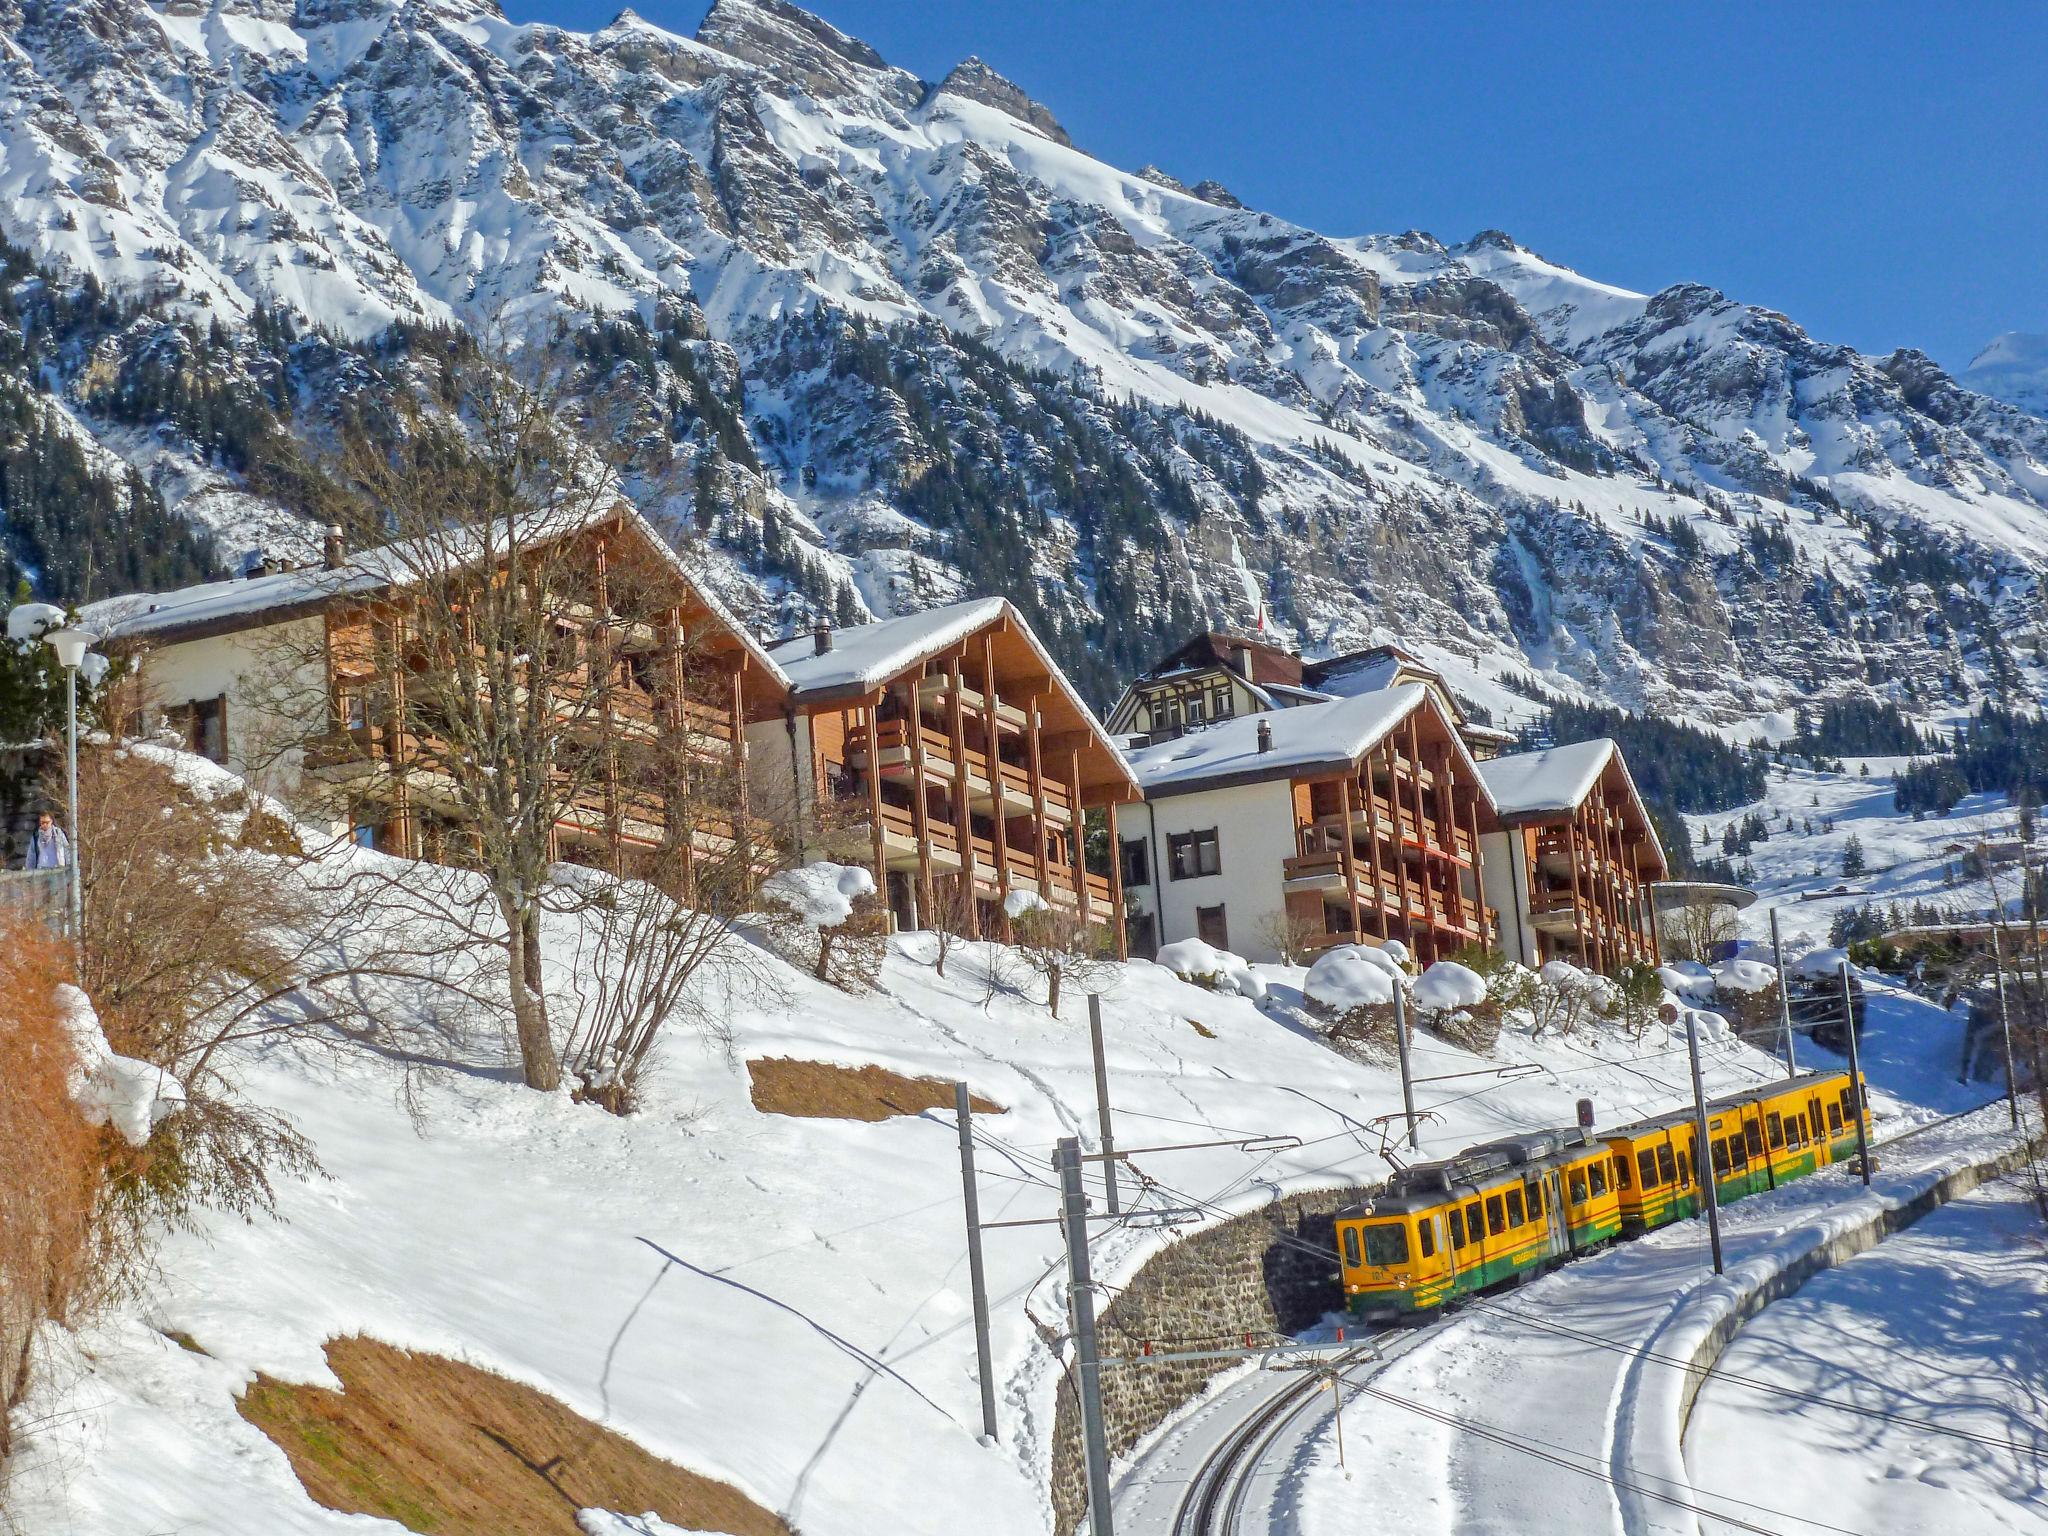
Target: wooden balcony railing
{"x": 894, "y": 740}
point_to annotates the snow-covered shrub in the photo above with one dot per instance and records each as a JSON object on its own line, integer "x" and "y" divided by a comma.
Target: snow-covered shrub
{"x": 1455, "y": 1000}
{"x": 1217, "y": 969}
{"x": 1053, "y": 944}
{"x": 825, "y": 918}
{"x": 1630, "y": 999}
{"x": 1564, "y": 999}
{"x": 1352, "y": 987}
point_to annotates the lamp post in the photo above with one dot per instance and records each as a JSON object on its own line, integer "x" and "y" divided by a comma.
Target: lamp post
{"x": 71, "y": 643}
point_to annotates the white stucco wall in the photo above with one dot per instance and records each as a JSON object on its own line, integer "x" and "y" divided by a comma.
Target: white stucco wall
{"x": 275, "y": 685}
{"x": 779, "y": 778}
{"x": 1501, "y": 862}
{"x": 1255, "y": 836}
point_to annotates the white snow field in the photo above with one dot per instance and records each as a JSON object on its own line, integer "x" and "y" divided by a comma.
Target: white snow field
{"x": 779, "y": 1302}
{"x": 1924, "y": 1365}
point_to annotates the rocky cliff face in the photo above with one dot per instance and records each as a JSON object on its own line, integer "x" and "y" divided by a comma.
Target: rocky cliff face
{"x": 910, "y": 341}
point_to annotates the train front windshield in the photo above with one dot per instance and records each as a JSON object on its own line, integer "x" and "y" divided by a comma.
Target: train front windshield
{"x": 1386, "y": 1242}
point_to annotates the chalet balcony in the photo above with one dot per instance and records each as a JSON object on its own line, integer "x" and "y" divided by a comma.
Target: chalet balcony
{"x": 1326, "y": 834}
{"x": 899, "y": 848}
{"x": 934, "y": 699}
{"x": 895, "y": 761}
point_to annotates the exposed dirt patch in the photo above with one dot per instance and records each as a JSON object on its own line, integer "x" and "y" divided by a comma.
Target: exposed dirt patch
{"x": 446, "y": 1449}
{"x": 817, "y": 1090}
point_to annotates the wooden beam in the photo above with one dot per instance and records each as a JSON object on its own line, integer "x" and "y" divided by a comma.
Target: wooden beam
{"x": 875, "y": 794}
{"x": 963, "y": 812}
{"x": 1076, "y": 833}
{"x": 992, "y": 745}
{"x": 1116, "y": 885}
{"x": 1349, "y": 859}
{"x": 1571, "y": 834}
{"x": 920, "y": 811}
{"x": 1034, "y": 737}
{"x": 1372, "y": 847}
{"x": 1400, "y": 840}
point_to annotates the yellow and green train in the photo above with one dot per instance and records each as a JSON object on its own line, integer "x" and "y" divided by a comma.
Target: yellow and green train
{"x": 1508, "y": 1209}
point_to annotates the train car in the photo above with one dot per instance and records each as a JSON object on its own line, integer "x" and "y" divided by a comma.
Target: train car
{"x": 1757, "y": 1139}
{"x": 1505, "y": 1210}
{"x": 1493, "y": 1214}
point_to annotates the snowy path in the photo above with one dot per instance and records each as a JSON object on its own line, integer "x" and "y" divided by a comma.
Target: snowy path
{"x": 1947, "y": 1323}
{"x": 1507, "y": 1421}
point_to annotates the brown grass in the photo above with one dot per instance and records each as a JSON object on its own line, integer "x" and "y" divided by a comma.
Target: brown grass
{"x": 447, "y": 1449}
{"x": 50, "y": 1160}
{"x": 818, "y": 1090}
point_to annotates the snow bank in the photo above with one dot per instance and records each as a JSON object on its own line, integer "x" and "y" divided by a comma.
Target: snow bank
{"x": 822, "y": 894}
{"x": 1744, "y": 976}
{"x": 1685, "y": 978}
{"x": 1448, "y": 984}
{"x": 1191, "y": 958}
{"x": 130, "y": 1095}
{"x": 1352, "y": 976}
{"x": 1819, "y": 964}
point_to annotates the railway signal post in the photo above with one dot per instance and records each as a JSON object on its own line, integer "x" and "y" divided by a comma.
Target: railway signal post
{"x": 1856, "y": 1088}
{"x": 2012, "y": 1090}
{"x": 963, "y": 1114}
{"x": 1703, "y": 1161}
{"x": 1401, "y": 1045}
{"x": 1784, "y": 997}
{"x": 1088, "y": 1362}
{"x": 1102, "y": 1101}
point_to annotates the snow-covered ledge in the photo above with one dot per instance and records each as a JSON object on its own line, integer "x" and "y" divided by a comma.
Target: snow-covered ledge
{"x": 1654, "y": 1401}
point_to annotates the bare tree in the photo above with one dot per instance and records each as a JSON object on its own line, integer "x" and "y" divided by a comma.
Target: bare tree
{"x": 1290, "y": 935}
{"x": 499, "y": 649}
{"x": 1698, "y": 930}
{"x": 951, "y": 918}
{"x": 1053, "y": 944}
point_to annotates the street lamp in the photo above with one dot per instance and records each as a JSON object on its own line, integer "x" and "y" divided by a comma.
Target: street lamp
{"x": 71, "y": 644}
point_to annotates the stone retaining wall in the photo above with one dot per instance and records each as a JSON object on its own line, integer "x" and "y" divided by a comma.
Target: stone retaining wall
{"x": 1245, "y": 1275}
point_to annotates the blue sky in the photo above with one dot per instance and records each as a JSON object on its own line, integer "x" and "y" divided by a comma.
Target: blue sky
{"x": 1879, "y": 173}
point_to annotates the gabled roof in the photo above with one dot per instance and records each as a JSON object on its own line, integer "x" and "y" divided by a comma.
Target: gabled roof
{"x": 1555, "y": 781}
{"x": 865, "y": 657}
{"x": 1270, "y": 663}
{"x": 1308, "y": 740}
{"x": 223, "y": 607}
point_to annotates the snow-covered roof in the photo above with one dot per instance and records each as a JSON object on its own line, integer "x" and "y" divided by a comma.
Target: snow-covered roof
{"x": 1549, "y": 779}
{"x": 1555, "y": 781}
{"x": 863, "y": 657}
{"x": 218, "y": 607}
{"x": 1311, "y": 738}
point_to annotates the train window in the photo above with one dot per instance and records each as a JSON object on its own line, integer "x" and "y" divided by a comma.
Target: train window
{"x": 1351, "y": 1259}
{"x": 1427, "y": 1229}
{"x": 1386, "y": 1242}
{"x": 1535, "y": 1194}
{"x": 1473, "y": 1226}
{"x": 1496, "y": 1216}
{"x": 1620, "y": 1171}
{"x": 1515, "y": 1207}
{"x": 1596, "y": 1178}
{"x": 1774, "y": 1127}
{"x": 1796, "y": 1129}
{"x": 1738, "y": 1150}
{"x": 1457, "y": 1228}
{"x": 1720, "y": 1158}
{"x": 1578, "y": 1189}
{"x": 1834, "y": 1117}
{"x": 1753, "y": 1137}
{"x": 1665, "y": 1161}
{"x": 1646, "y": 1168}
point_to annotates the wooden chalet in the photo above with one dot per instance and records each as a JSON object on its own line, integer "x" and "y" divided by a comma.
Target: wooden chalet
{"x": 663, "y": 672}
{"x": 1576, "y": 857}
{"x": 1352, "y": 820}
{"x": 948, "y": 750}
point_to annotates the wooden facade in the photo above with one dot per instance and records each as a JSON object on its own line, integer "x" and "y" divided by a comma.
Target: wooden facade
{"x": 1588, "y": 873}
{"x": 964, "y": 775}
{"x": 659, "y": 696}
{"x": 1391, "y": 848}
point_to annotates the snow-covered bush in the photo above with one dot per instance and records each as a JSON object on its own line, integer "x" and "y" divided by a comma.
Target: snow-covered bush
{"x": 1447, "y": 985}
{"x": 1217, "y": 969}
{"x": 1564, "y": 1000}
{"x": 130, "y": 1096}
{"x": 824, "y": 918}
{"x": 1629, "y": 999}
{"x": 1055, "y": 945}
{"x": 1456, "y": 1003}
{"x": 1352, "y": 986}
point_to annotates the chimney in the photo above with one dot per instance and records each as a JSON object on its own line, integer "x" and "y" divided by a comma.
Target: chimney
{"x": 821, "y": 638}
{"x": 331, "y": 548}
{"x": 1265, "y": 735}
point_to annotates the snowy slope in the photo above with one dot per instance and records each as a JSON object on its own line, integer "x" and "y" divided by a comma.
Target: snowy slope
{"x": 1864, "y": 1336}
{"x": 2012, "y": 368}
{"x": 696, "y": 1275}
{"x": 1459, "y": 445}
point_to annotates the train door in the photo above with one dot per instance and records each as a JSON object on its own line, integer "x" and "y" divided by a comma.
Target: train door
{"x": 1556, "y": 1216}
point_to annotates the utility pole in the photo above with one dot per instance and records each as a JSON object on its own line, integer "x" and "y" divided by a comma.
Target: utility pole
{"x": 1337, "y": 1418}
{"x": 1703, "y": 1159}
{"x": 1102, "y": 1100}
{"x": 1784, "y": 997}
{"x": 2012, "y": 1091}
{"x": 1081, "y": 1304}
{"x": 1856, "y": 1078}
{"x": 977, "y": 1282}
{"x": 1401, "y": 1045}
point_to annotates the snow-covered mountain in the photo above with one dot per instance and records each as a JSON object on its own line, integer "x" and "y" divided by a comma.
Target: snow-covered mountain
{"x": 912, "y": 341}
{"x": 2013, "y": 368}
